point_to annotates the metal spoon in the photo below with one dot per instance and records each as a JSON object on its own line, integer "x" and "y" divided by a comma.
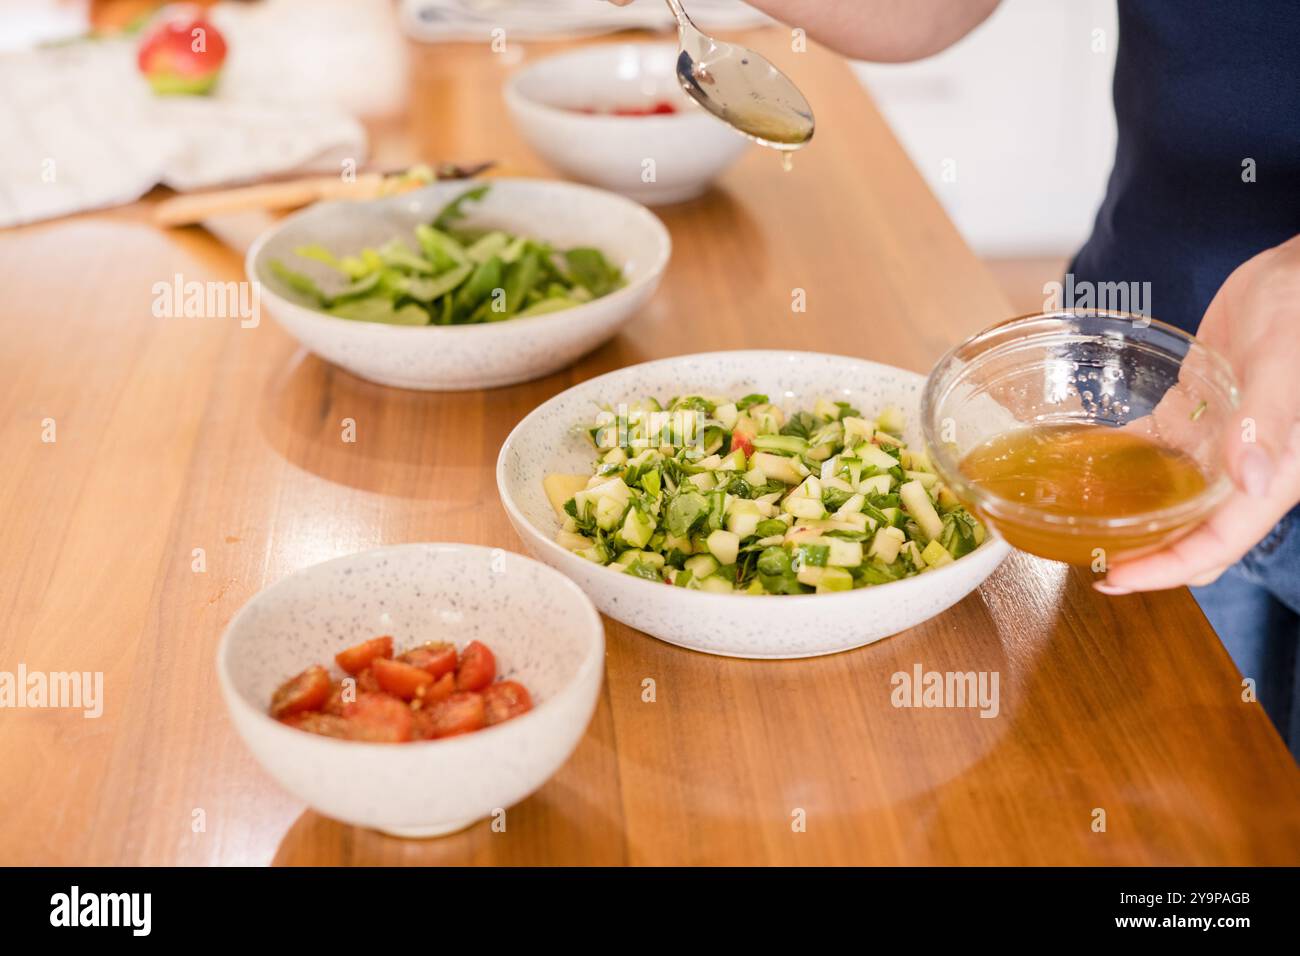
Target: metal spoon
{"x": 741, "y": 88}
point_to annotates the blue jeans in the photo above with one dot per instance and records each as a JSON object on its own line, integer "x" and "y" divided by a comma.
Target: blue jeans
{"x": 1255, "y": 608}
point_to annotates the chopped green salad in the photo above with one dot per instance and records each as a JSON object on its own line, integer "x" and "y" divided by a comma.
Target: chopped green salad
{"x": 734, "y": 496}
{"x": 455, "y": 276}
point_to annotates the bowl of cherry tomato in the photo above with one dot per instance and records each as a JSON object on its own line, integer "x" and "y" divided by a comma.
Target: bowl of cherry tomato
{"x": 414, "y": 689}
{"x": 614, "y": 116}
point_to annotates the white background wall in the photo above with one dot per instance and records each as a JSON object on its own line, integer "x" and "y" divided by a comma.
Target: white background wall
{"x": 1013, "y": 127}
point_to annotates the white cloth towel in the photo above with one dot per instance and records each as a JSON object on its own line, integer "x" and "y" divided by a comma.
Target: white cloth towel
{"x": 80, "y": 128}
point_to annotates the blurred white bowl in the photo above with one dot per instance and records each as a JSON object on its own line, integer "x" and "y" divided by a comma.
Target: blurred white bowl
{"x": 684, "y": 151}
{"x": 801, "y": 625}
{"x": 542, "y": 629}
{"x": 454, "y": 357}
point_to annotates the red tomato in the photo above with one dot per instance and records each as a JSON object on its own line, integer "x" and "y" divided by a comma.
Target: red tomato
{"x": 308, "y": 691}
{"x": 744, "y": 442}
{"x": 356, "y": 659}
{"x": 460, "y": 713}
{"x": 399, "y": 679}
{"x": 181, "y": 52}
{"x": 505, "y": 700}
{"x": 478, "y": 667}
{"x": 327, "y": 725}
{"x": 437, "y": 659}
{"x": 378, "y": 718}
{"x": 439, "y": 690}
{"x": 366, "y": 682}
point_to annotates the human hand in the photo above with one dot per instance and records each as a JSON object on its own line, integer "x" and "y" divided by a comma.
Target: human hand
{"x": 1254, "y": 322}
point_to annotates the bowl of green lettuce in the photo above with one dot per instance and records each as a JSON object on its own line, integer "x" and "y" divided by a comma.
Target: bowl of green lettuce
{"x": 461, "y": 285}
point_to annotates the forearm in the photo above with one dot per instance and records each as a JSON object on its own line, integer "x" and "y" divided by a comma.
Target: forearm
{"x": 886, "y": 31}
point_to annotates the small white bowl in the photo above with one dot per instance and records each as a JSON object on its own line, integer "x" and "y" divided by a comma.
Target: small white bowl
{"x": 542, "y": 629}
{"x": 457, "y": 357}
{"x": 688, "y": 149}
{"x": 729, "y": 624}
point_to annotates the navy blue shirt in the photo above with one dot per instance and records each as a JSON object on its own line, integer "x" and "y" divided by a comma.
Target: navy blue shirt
{"x": 1205, "y": 90}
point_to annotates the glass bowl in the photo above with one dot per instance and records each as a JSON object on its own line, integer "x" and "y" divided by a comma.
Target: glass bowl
{"x": 1082, "y": 367}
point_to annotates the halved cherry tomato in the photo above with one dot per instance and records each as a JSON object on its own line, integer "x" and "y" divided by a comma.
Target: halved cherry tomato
{"x": 378, "y": 718}
{"x": 308, "y": 691}
{"x": 744, "y": 443}
{"x": 504, "y": 700}
{"x": 356, "y": 659}
{"x": 399, "y": 679}
{"x": 478, "y": 667}
{"x": 340, "y": 693}
{"x": 460, "y": 713}
{"x": 366, "y": 682}
{"x": 327, "y": 725}
{"x": 439, "y": 690}
{"x": 437, "y": 659}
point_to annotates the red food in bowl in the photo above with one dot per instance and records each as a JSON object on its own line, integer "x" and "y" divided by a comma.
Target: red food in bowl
{"x": 425, "y": 693}
{"x": 662, "y": 108}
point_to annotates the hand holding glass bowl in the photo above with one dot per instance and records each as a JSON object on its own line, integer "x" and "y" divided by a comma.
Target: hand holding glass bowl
{"x": 1167, "y": 395}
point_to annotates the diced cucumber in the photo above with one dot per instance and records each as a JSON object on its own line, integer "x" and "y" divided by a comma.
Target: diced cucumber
{"x": 735, "y": 461}
{"x": 875, "y": 485}
{"x": 716, "y": 585}
{"x": 701, "y": 566}
{"x": 778, "y": 468}
{"x": 834, "y": 579}
{"x": 811, "y": 488}
{"x": 886, "y": 543}
{"x": 935, "y": 554}
{"x": 926, "y": 479}
{"x": 891, "y": 420}
{"x": 724, "y": 545}
{"x": 810, "y": 575}
{"x": 637, "y": 527}
{"x": 844, "y": 554}
{"x": 918, "y": 505}
{"x": 726, "y": 415}
{"x": 743, "y": 524}
{"x": 947, "y": 497}
{"x": 804, "y": 507}
{"x": 605, "y": 488}
{"x": 673, "y": 543}
{"x": 703, "y": 481}
{"x": 852, "y": 506}
{"x": 609, "y": 512}
{"x": 789, "y": 444}
{"x": 857, "y": 430}
{"x": 872, "y": 455}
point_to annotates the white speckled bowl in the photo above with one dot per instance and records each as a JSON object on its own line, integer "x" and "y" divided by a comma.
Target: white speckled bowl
{"x": 543, "y": 630}
{"x": 729, "y": 624}
{"x": 690, "y": 148}
{"x": 450, "y": 358}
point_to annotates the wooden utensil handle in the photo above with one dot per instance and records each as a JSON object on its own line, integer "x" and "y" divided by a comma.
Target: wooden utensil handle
{"x": 196, "y": 207}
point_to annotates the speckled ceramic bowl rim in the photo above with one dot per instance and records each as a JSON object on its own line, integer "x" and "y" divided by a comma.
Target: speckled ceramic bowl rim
{"x": 1186, "y": 513}
{"x": 595, "y": 655}
{"x": 515, "y": 89}
{"x": 900, "y": 588}
{"x": 574, "y": 316}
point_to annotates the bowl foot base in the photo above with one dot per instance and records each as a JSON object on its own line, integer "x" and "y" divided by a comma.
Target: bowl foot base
{"x": 435, "y": 830}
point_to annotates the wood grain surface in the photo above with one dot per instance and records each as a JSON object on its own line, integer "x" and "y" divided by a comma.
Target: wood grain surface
{"x": 176, "y": 434}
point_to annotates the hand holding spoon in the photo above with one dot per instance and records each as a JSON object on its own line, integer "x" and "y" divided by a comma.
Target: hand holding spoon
{"x": 741, "y": 88}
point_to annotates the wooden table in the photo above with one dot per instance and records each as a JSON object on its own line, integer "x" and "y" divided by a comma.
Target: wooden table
{"x": 177, "y": 434}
